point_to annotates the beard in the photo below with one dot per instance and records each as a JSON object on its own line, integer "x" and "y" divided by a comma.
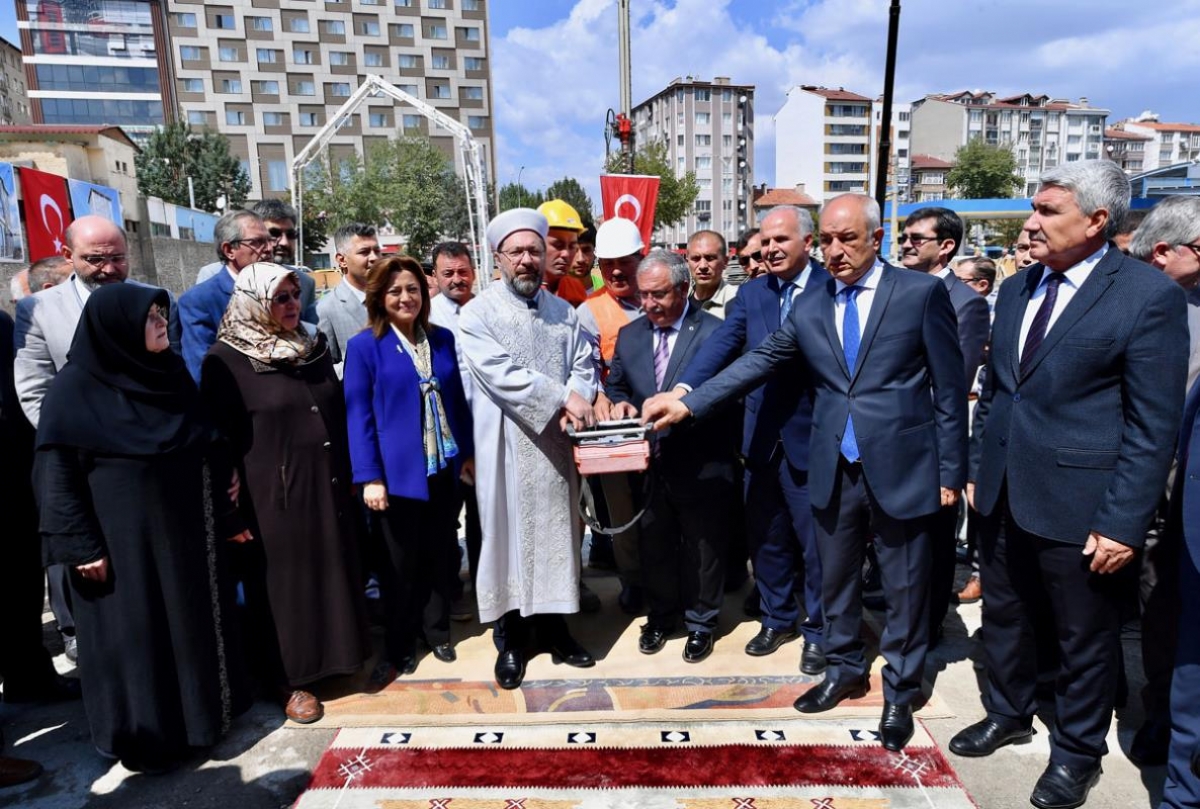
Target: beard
{"x": 525, "y": 285}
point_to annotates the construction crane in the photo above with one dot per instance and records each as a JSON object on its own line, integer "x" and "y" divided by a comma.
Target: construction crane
{"x": 619, "y": 125}
{"x": 469, "y": 149}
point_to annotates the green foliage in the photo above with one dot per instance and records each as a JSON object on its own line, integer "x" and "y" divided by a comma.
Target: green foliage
{"x": 175, "y": 152}
{"x": 1005, "y": 232}
{"x": 984, "y": 172}
{"x": 513, "y": 195}
{"x": 571, "y": 192}
{"x": 676, "y": 195}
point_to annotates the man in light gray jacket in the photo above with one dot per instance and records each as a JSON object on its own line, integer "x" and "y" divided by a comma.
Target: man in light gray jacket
{"x": 342, "y": 313}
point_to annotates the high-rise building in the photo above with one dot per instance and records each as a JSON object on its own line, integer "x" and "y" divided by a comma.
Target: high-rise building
{"x": 708, "y": 128}
{"x": 823, "y": 142}
{"x": 14, "y": 94}
{"x": 270, "y": 75}
{"x": 94, "y": 62}
{"x": 899, "y": 166}
{"x": 1165, "y": 144}
{"x": 1042, "y": 132}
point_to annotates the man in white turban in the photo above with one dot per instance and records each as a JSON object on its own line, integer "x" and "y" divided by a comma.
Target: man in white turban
{"x": 533, "y": 375}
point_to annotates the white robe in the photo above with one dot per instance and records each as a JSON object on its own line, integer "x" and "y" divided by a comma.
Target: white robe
{"x": 524, "y": 362}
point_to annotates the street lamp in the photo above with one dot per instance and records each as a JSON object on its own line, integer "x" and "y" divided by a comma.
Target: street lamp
{"x": 520, "y": 189}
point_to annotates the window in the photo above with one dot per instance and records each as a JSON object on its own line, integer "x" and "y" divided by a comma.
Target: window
{"x": 336, "y": 27}
{"x": 302, "y": 56}
{"x": 441, "y": 62}
{"x": 189, "y": 53}
{"x": 404, "y": 3}
{"x": 703, "y": 118}
{"x": 226, "y": 54}
{"x": 196, "y": 117}
{"x": 704, "y": 161}
{"x": 470, "y": 5}
{"x": 304, "y": 87}
{"x": 266, "y": 88}
{"x": 847, "y": 129}
{"x": 272, "y": 119}
{"x": 224, "y": 21}
{"x": 185, "y": 20}
{"x": 260, "y": 24}
{"x": 703, "y": 94}
{"x": 378, "y": 120}
{"x": 704, "y": 182}
{"x": 339, "y": 88}
{"x": 679, "y": 140}
{"x": 235, "y": 118}
{"x": 436, "y": 4}
{"x": 412, "y": 121}
{"x": 411, "y": 89}
{"x": 266, "y": 56}
{"x": 846, "y": 111}
{"x": 298, "y": 25}
{"x": 473, "y": 93}
{"x": 472, "y": 63}
{"x": 231, "y": 85}
{"x": 193, "y": 85}
{"x": 310, "y": 119}
{"x": 435, "y": 32}
{"x": 703, "y": 140}
{"x": 339, "y": 58}
{"x": 369, "y": 28}
{"x": 408, "y": 60}
{"x": 373, "y": 59}
{"x": 679, "y": 161}
{"x": 403, "y": 30}
{"x": 440, "y": 91}
{"x": 727, "y": 185}
{"x": 476, "y": 122}
{"x": 277, "y": 175}
{"x": 469, "y": 34}
{"x": 727, "y": 118}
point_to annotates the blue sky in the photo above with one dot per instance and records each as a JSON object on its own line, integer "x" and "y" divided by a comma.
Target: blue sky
{"x": 554, "y": 62}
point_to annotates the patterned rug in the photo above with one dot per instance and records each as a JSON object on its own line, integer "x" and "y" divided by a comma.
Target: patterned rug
{"x": 782, "y": 763}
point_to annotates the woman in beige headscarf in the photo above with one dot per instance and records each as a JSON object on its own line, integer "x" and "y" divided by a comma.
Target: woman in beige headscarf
{"x": 271, "y": 389}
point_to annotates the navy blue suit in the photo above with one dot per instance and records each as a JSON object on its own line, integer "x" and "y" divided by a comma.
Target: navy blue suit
{"x": 776, "y": 428}
{"x": 1079, "y": 442}
{"x": 687, "y": 522}
{"x": 198, "y": 315}
{"x": 908, "y": 401}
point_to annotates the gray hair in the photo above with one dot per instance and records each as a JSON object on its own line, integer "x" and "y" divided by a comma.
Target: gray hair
{"x": 274, "y": 209}
{"x": 676, "y": 266}
{"x": 1096, "y": 184}
{"x": 1175, "y": 220}
{"x": 803, "y": 217}
{"x": 343, "y": 235}
{"x": 229, "y": 228}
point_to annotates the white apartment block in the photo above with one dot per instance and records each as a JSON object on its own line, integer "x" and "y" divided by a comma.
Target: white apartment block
{"x": 709, "y": 129}
{"x": 1166, "y": 144}
{"x": 899, "y": 167}
{"x": 823, "y": 142}
{"x": 1041, "y": 131}
{"x": 270, "y": 73}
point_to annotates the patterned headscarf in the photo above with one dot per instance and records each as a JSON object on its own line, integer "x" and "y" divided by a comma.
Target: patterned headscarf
{"x": 248, "y": 327}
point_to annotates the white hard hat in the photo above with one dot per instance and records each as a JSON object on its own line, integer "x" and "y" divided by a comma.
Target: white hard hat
{"x": 618, "y": 238}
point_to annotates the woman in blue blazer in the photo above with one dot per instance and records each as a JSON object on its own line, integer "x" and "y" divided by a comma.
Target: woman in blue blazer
{"x": 410, "y": 441}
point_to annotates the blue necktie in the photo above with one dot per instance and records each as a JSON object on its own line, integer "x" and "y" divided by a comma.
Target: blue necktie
{"x": 851, "y": 339}
{"x": 785, "y": 301}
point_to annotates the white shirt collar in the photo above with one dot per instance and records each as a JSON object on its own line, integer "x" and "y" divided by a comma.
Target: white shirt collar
{"x": 1076, "y": 275}
{"x": 361, "y": 294}
{"x": 944, "y": 273}
{"x": 83, "y": 289}
{"x": 868, "y": 281}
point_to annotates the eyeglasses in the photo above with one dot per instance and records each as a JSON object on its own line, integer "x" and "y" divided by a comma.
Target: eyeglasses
{"x": 284, "y": 298}
{"x": 254, "y": 244}
{"x": 658, "y": 295}
{"x": 515, "y": 255}
{"x": 1195, "y": 248}
{"x": 916, "y": 239}
{"x": 279, "y": 233}
{"x": 755, "y": 256}
{"x": 101, "y": 260}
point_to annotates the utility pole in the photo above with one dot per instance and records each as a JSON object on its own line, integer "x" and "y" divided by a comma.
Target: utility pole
{"x": 884, "y": 151}
{"x": 626, "y": 81}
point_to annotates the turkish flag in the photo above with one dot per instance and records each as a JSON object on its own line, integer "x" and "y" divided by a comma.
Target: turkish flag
{"x": 633, "y": 197}
{"x": 47, "y": 212}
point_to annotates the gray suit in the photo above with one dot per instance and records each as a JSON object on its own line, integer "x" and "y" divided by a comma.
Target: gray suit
{"x": 340, "y": 316}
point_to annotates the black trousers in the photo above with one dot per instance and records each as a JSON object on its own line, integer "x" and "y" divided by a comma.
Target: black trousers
{"x": 474, "y": 535}
{"x": 1159, "y": 597}
{"x": 24, "y": 661}
{"x": 1031, "y": 581}
{"x": 419, "y": 537}
{"x": 522, "y": 633}
{"x": 944, "y": 558}
{"x": 844, "y": 528}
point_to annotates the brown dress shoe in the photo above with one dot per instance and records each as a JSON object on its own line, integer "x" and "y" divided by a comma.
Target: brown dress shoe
{"x": 303, "y": 708}
{"x": 972, "y": 592}
{"x": 15, "y": 771}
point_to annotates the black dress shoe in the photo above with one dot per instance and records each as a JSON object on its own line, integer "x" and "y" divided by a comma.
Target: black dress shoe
{"x": 812, "y": 659}
{"x": 699, "y": 646}
{"x": 896, "y": 726}
{"x": 510, "y": 670}
{"x": 768, "y": 640}
{"x": 828, "y": 694}
{"x": 1063, "y": 787}
{"x": 407, "y": 664}
{"x": 53, "y": 688}
{"x": 567, "y": 650}
{"x": 652, "y": 639}
{"x": 987, "y": 736}
{"x": 445, "y": 652}
{"x": 1151, "y": 744}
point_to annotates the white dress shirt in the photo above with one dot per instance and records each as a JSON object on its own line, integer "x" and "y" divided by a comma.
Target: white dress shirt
{"x": 673, "y": 335}
{"x": 83, "y": 289}
{"x": 1072, "y": 280}
{"x": 864, "y": 299}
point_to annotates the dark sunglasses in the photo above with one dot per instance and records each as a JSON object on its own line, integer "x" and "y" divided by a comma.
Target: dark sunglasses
{"x": 283, "y": 298}
{"x": 278, "y": 233}
{"x": 755, "y": 256}
{"x": 916, "y": 239}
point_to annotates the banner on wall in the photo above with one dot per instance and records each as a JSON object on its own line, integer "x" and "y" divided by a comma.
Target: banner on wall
{"x": 96, "y": 200}
{"x": 12, "y": 248}
{"x": 47, "y": 212}
{"x": 633, "y": 197}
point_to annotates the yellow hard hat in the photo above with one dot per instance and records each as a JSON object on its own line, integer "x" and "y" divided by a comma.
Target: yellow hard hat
{"x": 561, "y": 215}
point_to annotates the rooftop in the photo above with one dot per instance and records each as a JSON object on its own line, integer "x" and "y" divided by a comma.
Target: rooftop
{"x": 46, "y": 131}
{"x": 784, "y": 196}
{"x": 924, "y": 161}
{"x": 834, "y": 94}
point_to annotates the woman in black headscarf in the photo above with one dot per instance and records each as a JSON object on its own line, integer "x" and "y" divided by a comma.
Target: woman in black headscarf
{"x": 120, "y": 477}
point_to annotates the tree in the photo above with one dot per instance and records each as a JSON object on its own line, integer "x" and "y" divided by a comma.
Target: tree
{"x": 175, "y": 152}
{"x": 676, "y": 195}
{"x": 1006, "y": 231}
{"x": 571, "y": 192}
{"x": 513, "y": 195}
{"x": 982, "y": 171}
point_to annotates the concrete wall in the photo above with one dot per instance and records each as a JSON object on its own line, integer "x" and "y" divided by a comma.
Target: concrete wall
{"x": 938, "y": 128}
{"x": 800, "y": 143}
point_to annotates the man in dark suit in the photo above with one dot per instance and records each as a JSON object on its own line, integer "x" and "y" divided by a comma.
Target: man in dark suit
{"x": 687, "y": 521}
{"x": 888, "y": 445}
{"x": 1071, "y": 445}
{"x": 778, "y": 419}
{"x": 930, "y": 239}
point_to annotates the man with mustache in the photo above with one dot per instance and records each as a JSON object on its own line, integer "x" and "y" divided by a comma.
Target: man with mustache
{"x": 707, "y": 257}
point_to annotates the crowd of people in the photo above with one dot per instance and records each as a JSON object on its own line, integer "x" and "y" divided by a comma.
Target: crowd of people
{"x": 222, "y": 479}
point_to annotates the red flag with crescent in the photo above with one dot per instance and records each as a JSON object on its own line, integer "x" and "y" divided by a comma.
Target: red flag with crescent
{"x": 633, "y": 197}
{"x": 47, "y": 212}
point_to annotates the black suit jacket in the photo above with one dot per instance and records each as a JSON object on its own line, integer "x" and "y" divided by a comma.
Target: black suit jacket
{"x": 907, "y": 394}
{"x": 974, "y": 324}
{"x": 694, "y": 451}
{"x": 1084, "y": 439}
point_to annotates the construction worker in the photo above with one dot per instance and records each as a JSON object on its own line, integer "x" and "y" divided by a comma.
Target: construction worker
{"x": 585, "y": 260}
{"x": 562, "y": 243}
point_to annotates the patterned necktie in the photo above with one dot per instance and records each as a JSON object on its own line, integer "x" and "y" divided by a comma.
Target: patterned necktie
{"x": 785, "y": 301}
{"x": 662, "y": 356}
{"x": 1041, "y": 321}
{"x": 851, "y": 339}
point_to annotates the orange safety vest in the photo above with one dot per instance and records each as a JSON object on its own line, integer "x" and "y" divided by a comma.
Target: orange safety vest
{"x": 611, "y": 317}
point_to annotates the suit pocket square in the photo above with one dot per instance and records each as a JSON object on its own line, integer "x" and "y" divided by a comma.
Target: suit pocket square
{"x": 1087, "y": 458}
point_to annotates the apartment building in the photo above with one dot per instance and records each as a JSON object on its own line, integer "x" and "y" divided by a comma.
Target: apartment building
{"x": 708, "y": 128}
{"x": 1041, "y": 131}
{"x": 824, "y": 141}
{"x": 97, "y": 62}
{"x": 1126, "y": 149}
{"x": 1166, "y": 144}
{"x": 899, "y": 166}
{"x": 928, "y": 179}
{"x": 14, "y": 93}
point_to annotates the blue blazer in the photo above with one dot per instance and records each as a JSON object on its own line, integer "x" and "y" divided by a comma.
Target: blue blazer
{"x": 198, "y": 314}
{"x": 907, "y": 392}
{"x": 1083, "y": 441}
{"x": 1187, "y": 476}
{"x": 780, "y": 410}
{"x": 384, "y": 408}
